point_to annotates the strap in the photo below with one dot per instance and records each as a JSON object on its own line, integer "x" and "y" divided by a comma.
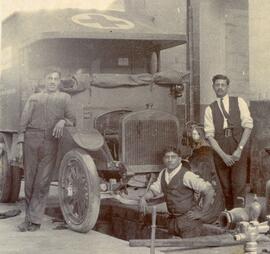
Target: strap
{"x": 225, "y": 113}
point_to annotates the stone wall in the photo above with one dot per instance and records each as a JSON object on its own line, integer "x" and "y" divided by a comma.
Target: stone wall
{"x": 224, "y": 43}
{"x": 259, "y": 54}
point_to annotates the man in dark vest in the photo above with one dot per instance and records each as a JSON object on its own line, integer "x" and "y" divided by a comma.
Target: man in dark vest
{"x": 179, "y": 184}
{"x": 228, "y": 125}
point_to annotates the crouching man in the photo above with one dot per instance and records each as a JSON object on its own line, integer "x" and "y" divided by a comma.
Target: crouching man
{"x": 179, "y": 184}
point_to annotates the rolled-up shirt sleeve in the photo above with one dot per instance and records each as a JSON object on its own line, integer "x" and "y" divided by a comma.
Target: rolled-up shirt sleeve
{"x": 195, "y": 182}
{"x": 209, "y": 127}
{"x": 156, "y": 186}
{"x": 246, "y": 119}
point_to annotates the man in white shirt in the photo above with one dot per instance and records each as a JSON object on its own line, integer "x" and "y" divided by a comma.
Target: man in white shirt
{"x": 228, "y": 125}
{"x": 179, "y": 184}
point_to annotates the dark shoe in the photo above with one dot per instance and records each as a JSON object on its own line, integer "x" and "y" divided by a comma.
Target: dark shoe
{"x": 23, "y": 227}
{"x": 33, "y": 227}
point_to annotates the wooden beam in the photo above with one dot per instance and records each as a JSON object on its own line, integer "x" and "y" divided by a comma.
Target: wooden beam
{"x": 195, "y": 242}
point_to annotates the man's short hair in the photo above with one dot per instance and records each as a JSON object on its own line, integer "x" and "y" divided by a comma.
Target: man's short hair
{"x": 220, "y": 76}
{"x": 49, "y": 70}
{"x": 171, "y": 149}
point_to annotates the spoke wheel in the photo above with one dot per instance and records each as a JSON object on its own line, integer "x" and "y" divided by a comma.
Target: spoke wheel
{"x": 5, "y": 178}
{"x": 79, "y": 190}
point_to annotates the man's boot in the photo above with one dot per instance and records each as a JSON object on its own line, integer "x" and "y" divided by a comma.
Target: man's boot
{"x": 33, "y": 227}
{"x": 23, "y": 227}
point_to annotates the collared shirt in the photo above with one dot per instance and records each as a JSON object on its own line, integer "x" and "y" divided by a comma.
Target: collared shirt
{"x": 43, "y": 110}
{"x": 190, "y": 180}
{"x": 246, "y": 120}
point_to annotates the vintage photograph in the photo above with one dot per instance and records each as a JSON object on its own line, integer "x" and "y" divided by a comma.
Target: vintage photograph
{"x": 134, "y": 126}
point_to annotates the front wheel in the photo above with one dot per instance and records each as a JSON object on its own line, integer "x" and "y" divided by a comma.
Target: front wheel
{"x": 79, "y": 190}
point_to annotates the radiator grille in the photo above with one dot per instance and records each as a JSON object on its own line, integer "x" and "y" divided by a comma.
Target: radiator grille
{"x": 145, "y": 140}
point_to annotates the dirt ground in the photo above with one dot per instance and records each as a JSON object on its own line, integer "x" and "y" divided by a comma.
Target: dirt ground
{"x": 50, "y": 240}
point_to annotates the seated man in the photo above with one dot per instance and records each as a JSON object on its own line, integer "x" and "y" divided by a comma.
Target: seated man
{"x": 179, "y": 184}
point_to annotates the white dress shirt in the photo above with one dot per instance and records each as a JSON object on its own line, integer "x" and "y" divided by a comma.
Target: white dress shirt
{"x": 190, "y": 180}
{"x": 246, "y": 120}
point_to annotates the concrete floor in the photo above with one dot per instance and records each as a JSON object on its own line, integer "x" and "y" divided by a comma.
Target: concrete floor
{"x": 48, "y": 240}
{"x": 51, "y": 241}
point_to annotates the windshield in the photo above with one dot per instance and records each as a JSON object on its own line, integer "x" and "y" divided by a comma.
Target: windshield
{"x": 95, "y": 56}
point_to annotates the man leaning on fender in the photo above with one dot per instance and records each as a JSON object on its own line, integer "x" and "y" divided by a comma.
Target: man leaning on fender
{"x": 228, "y": 125}
{"x": 42, "y": 122}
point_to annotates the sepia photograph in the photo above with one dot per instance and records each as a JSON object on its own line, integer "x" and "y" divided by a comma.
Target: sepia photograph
{"x": 134, "y": 126}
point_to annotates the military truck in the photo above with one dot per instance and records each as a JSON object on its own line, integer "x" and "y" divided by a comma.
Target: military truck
{"x": 124, "y": 104}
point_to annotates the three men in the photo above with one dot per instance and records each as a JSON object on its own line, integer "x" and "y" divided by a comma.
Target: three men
{"x": 42, "y": 122}
{"x": 178, "y": 184}
{"x": 228, "y": 125}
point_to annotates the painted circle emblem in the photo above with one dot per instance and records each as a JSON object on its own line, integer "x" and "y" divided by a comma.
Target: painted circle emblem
{"x": 101, "y": 21}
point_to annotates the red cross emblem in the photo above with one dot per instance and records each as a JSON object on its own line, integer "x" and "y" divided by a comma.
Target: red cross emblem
{"x": 102, "y": 21}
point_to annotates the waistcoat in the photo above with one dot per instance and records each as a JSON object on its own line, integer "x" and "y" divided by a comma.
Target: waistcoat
{"x": 178, "y": 197}
{"x": 235, "y": 121}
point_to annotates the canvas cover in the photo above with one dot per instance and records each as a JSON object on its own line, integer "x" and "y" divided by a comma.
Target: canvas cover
{"x": 24, "y": 28}
{"x": 80, "y": 82}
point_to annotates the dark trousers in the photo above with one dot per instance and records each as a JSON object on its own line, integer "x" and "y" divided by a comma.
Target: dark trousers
{"x": 185, "y": 227}
{"x": 232, "y": 179}
{"x": 39, "y": 161}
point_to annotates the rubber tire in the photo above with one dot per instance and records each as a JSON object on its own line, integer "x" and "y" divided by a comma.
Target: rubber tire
{"x": 88, "y": 166}
{"x": 15, "y": 183}
{"x": 5, "y": 178}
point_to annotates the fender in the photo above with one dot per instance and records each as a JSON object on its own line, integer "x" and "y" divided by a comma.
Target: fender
{"x": 90, "y": 140}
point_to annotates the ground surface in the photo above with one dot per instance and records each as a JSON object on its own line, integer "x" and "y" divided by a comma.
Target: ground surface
{"x": 49, "y": 240}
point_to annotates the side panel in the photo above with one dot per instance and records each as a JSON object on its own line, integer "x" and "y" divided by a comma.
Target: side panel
{"x": 9, "y": 83}
{"x": 9, "y": 106}
{"x": 15, "y": 88}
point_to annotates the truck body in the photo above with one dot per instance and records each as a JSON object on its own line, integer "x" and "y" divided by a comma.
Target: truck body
{"x": 110, "y": 65}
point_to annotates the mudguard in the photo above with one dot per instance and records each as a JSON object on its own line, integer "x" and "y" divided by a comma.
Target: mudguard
{"x": 90, "y": 140}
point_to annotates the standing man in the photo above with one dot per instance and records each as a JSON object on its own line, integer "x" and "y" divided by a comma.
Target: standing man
{"x": 228, "y": 125}
{"x": 42, "y": 122}
{"x": 179, "y": 184}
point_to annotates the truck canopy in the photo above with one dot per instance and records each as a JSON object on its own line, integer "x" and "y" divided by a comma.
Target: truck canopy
{"x": 23, "y": 28}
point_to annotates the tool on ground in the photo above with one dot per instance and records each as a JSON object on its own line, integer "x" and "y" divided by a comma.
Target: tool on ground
{"x": 153, "y": 229}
